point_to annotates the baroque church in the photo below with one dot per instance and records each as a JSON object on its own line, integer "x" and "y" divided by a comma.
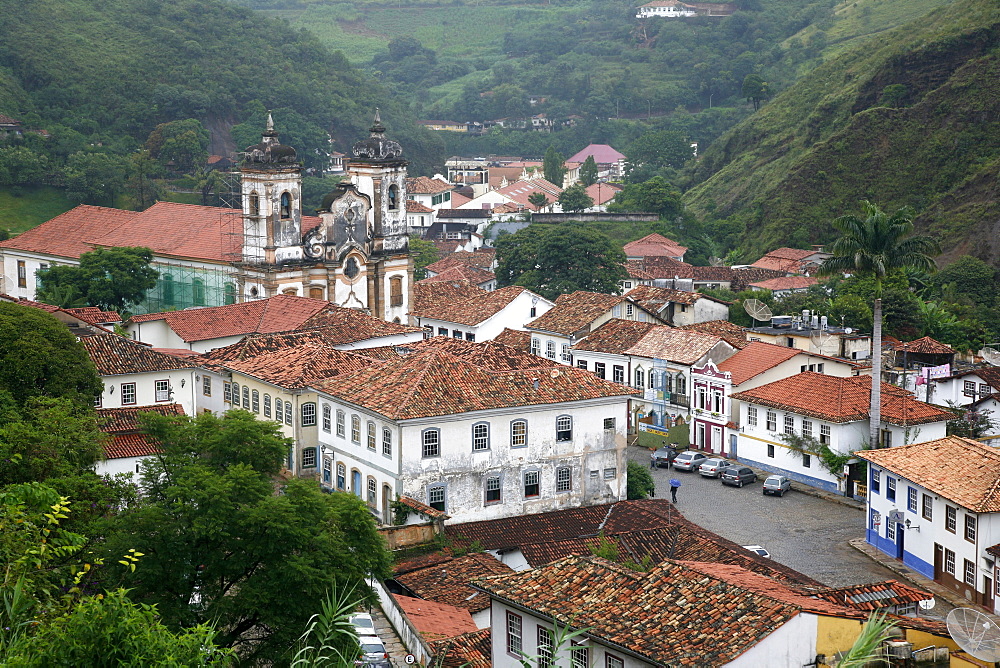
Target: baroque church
{"x": 354, "y": 252}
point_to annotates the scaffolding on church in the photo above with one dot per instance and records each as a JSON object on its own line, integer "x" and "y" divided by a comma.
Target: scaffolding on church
{"x": 235, "y": 238}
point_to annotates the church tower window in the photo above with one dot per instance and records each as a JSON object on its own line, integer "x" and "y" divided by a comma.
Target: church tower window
{"x": 254, "y": 204}
{"x": 351, "y": 269}
{"x": 393, "y": 197}
{"x": 395, "y": 291}
{"x": 286, "y": 205}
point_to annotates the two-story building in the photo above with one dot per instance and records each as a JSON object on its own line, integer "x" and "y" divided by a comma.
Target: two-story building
{"x": 935, "y": 505}
{"x": 482, "y": 434}
{"x": 678, "y": 307}
{"x": 815, "y": 334}
{"x": 480, "y": 317}
{"x": 787, "y": 426}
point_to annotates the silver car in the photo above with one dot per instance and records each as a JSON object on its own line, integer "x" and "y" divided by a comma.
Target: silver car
{"x": 373, "y": 652}
{"x": 689, "y": 460}
{"x": 776, "y": 484}
{"x": 712, "y": 467}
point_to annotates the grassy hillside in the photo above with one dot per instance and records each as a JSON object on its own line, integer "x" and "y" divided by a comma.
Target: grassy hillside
{"x": 911, "y": 117}
{"x": 24, "y": 208}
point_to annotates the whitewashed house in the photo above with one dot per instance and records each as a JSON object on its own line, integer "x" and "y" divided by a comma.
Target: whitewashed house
{"x": 677, "y": 307}
{"x": 478, "y": 431}
{"x": 480, "y": 317}
{"x": 831, "y": 414}
{"x": 935, "y": 505}
{"x": 127, "y": 445}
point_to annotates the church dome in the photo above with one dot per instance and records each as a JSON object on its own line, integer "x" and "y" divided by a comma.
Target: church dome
{"x": 377, "y": 147}
{"x": 270, "y": 151}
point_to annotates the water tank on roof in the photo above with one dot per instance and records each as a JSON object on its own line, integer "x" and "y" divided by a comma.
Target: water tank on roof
{"x": 822, "y": 322}
{"x": 815, "y": 322}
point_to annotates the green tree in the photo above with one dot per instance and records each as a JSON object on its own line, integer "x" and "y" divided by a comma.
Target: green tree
{"x": 755, "y": 89}
{"x": 94, "y": 177}
{"x": 538, "y": 200}
{"x": 969, "y": 277}
{"x": 40, "y": 357}
{"x": 226, "y": 539}
{"x": 588, "y": 171}
{"x": 575, "y": 198}
{"x": 874, "y": 246}
{"x": 653, "y": 196}
{"x": 424, "y": 253}
{"x": 142, "y": 187}
{"x": 553, "y": 166}
{"x": 111, "y": 278}
{"x": 22, "y": 166}
{"x": 559, "y": 259}
{"x": 659, "y": 149}
{"x": 180, "y": 145}
{"x": 639, "y": 483}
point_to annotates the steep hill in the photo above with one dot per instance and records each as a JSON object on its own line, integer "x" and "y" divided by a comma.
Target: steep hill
{"x": 911, "y": 117}
{"x": 114, "y": 69}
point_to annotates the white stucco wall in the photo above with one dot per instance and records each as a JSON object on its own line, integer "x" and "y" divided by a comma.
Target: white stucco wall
{"x": 791, "y": 644}
{"x": 112, "y": 467}
{"x": 32, "y": 263}
{"x": 145, "y": 389}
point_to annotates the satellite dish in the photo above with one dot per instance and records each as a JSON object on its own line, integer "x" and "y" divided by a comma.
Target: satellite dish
{"x": 757, "y": 310}
{"x": 927, "y": 604}
{"x": 975, "y": 632}
{"x": 991, "y": 355}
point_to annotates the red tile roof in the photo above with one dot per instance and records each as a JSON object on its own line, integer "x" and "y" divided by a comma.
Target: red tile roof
{"x": 413, "y": 206}
{"x": 123, "y": 426}
{"x": 94, "y": 315}
{"x": 788, "y": 260}
{"x": 671, "y": 615}
{"x": 729, "y": 332}
{"x": 662, "y": 267}
{"x": 425, "y": 185}
{"x": 434, "y": 382}
{"x": 472, "y": 311}
{"x": 168, "y": 228}
{"x": 603, "y": 154}
{"x": 435, "y": 620}
{"x": 114, "y": 355}
{"x": 429, "y": 295}
{"x": 479, "y": 259}
{"x": 653, "y": 298}
{"x": 927, "y": 346}
{"x": 654, "y": 245}
{"x": 674, "y": 345}
{"x": 615, "y": 336}
{"x": 423, "y": 508}
{"x": 448, "y": 581}
{"x": 785, "y": 283}
{"x": 961, "y": 470}
{"x": 520, "y": 191}
{"x": 575, "y": 312}
{"x": 602, "y": 193}
{"x": 121, "y": 446}
{"x": 469, "y": 650}
{"x": 461, "y": 273}
{"x": 841, "y": 399}
{"x": 756, "y": 358}
{"x": 874, "y": 595}
{"x": 515, "y": 338}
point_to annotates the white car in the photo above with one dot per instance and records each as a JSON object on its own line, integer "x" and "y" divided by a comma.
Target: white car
{"x": 757, "y": 549}
{"x": 363, "y": 624}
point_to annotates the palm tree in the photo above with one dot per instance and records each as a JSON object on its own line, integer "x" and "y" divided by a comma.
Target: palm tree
{"x": 876, "y": 245}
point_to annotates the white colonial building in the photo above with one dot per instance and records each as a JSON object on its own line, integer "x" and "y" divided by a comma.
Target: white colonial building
{"x": 481, "y": 315}
{"x": 477, "y": 431}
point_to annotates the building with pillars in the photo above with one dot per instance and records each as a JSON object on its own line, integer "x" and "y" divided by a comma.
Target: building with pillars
{"x": 354, "y": 253}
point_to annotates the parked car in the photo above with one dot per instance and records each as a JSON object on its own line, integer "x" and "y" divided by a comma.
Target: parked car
{"x": 373, "y": 653}
{"x": 664, "y": 456}
{"x": 737, "y": 475}
{"x": 689, "y": 460}
{"x": 363, "y": 624}
{"x": 712, "y": 467}
{"x": 759, "y": 550}
{"x": 776, "y": 484}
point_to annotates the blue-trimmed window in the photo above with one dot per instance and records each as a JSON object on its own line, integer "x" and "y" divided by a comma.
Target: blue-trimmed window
{"x": 911, "y": 499}
{"x": 481, "y": 436}
{"x": 890, "y": 488}
{"x": 431, "y": 440}
{"x": 876, "y": 485}
{"x": 519, "y": 433}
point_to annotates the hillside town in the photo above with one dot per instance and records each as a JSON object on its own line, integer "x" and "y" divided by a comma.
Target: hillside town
{"x": 499, "y": 438}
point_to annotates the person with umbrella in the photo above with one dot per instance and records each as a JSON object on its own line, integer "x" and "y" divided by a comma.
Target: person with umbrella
{"x": 674, "y": 486}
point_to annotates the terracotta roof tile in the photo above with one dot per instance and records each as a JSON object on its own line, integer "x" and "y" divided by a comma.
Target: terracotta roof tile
{"x": 662, "y": 267}
{"x": 423, "y": 508}
{"x": 927, "y": 346}
{"x": 429, "y": 295}
{"x": 115, "y": 355}
{"x": 515, "y": 338}
{"x": 841, "y": 399}
{"x": 122, "y": 425}
{"x": 72, "y": 233}
{"x": 729, "y": 332}
{"x": 674, "y": 345}
{"x": 788, "y": 260}
{"x": 575, "y": 312}
{"x": 602, "y": 193}
{"x": 520, "y": 191}
{"x": 615, "y": 336}
{"x": 654, "y": 245}
{"x": 479, "y": 259}
{"x": 434, "y": 620}
{"x": 94, "y": 315}
{"x": 635, "y": 270}
{"x": 964, "y": 471}
{"x": 413, "y": 206}
{"x": 874, "y": 595}
{"x": 653, "y": 298}
{"x": 785, "y": 283}
{"x": 469, "y": 650}
{"x": 603, "y": 154}
{"x": 425, "y": 185}
{"x": 461, "y": 273}
{"x": 673, "y": 626}
{"x": 472, "y": 311}
{"x": 448, "y": 581}
{"x": 435, "y": 382}
{"x": 121, "y": 446}
{"x": 756, "y": 358}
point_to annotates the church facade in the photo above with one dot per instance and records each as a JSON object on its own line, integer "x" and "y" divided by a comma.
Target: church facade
{"x": 354, "y": 252}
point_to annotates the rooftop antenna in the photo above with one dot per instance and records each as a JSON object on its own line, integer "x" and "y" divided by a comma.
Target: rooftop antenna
{"x": 975, "y": 632}
{"x": 757, "y": 310}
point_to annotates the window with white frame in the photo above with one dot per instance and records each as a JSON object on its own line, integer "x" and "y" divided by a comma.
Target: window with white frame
{"x": 772, "y": 421}
{"x": 236, "y": 394}
{"x": 341, "y": 476}
{"x": 162, "y": 390}
{"x": 789, "y": 424}
{"x": 227, "y": 393}
{"x": 355, "y": 429}
{"x": 890, "y": 529}
{"x": 970, "y": 528}
{"x": 536, "y": 346}
{"x": 927, "y": 510}
{"x": 340, "y": 424}
{"x": 255, "y": 401}
{"x": 372, "y": 435}
{"x": 581, "y": 364}
{"x": 550, "y": 349}
{"x": 327, "y": 469}
{"x": 911, "y": 499}
{"x": 532, "y": 488}
{"x": 206, "y": 385}
{"x": 629, "y": 310}
{"x": 493, "y": 489}
{"x": 514, "y": 634}
{"x": 599, "y": 369}
{"x": 876, "y": 480}
{"x": 752, "y": 416}
{"x": 431, "y": 439}
{"x": 481, "y": 436}
{"x": 970, "y": 573}
{"x": 246, "y": 397}
{"x": 327, "y": 415}
{"x": 969, "y": 388}
{"x": 564, "y": 479}
{"x": 807, "y": 428}
{"x": 717, "y": 401}
{"x": 564, "y": 428}
{"x": 309, "y": 414}
{"x": 308, "y": 458}
{"x": 579, "y": 657}
{"x": 279, "y": 408}
{"x": 890, "y": 488}
{"x": 618, "y": 374}
{"x": 518, "y": 433}
{"x": 950, "y": 518}
{"x": 288, "y": 413}
{"x": 386, "y": 441}
{"x": 372, "y": 492}
{"x": 567, "y": 356}
{"x": 267, "y": 405}
{"x": 681, "y": 383}
{"x": 640, "y": 378}
{"x": 436, "y": 497}
{"x": 543, "y": 651}
{"x": 949, "y": 561}
{"x": 824, "y": 434}
{"x": 128, "y": 393}
{"x": 612, "y": 661}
